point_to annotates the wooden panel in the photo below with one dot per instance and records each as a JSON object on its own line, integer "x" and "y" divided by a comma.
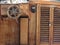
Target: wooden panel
{"x": 4, "y": 9}
{"x": 24, "y": 31}
{"x": 0, "y": 9}
{"x": 8, "y": 32}
{"x": 32, "y": 28}
{"x": 51, "y": 25}
{"x": 38, "y": 25}
{"x": 44, "y": 44}
{"x": 56, "y": 33}
{"x": 44, "y": 25}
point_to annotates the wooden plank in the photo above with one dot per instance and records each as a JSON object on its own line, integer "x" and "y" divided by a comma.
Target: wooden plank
{"x": 44, "y": 44}
{"x": 47, "y": 3}
{"x": 24, "y": 31}
{"x": 8, "y": 32}
{"x": 51, "y": 26}
{"x": 32, "y": 28}
{"x": 13, "y": 32}
{"x": 38, "y": 25}
{"x": 0, "y": 9}
{"x": 3, "y": 31}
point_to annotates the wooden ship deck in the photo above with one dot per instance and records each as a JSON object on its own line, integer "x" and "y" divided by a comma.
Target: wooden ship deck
{"x": 34, "y": 23}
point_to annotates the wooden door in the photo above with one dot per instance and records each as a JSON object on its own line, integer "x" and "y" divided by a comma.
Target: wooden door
{"x": 56, "y": 26}
{"x": 48, "y": 25}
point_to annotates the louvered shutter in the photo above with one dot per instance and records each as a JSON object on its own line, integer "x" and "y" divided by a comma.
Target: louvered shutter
{"x": 44, "y": 25}
{"x": 56, "y": 31}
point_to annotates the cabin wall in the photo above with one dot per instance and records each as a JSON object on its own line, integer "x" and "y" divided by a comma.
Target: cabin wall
{"x": 25, "y": 30}
{"x": 19, "y": 31}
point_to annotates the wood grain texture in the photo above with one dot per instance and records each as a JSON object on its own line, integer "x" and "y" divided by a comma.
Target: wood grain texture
{"x": 12, "y": 33}
{"x": 24, "y": 26}
{"x": 32, "y": 29}
{"x": 4, "y": 8}
{"x": 0, "y": 9}
{"x": 38, "y": 25}
{"x": 51, "y": 27}
{"x": 8, "y": 32}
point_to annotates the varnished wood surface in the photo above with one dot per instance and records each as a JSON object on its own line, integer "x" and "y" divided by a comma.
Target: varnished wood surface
{"x": 32, "y": 31}
{"x": 0, "y": 9}
{"x": 27, "y": 31}
{"x": 8, "y": 32}
{"x": 51, "y": 26}
{"x": 4, "y": 8}
{"x": 38, "y": 25}
{"x": 24, "y": 28}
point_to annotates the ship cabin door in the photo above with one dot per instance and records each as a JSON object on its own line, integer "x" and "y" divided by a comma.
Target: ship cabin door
{"x": 48, "y": 25}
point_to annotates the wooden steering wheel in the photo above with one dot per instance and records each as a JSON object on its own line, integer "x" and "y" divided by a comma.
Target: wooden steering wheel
{"x": 13, "y": 12}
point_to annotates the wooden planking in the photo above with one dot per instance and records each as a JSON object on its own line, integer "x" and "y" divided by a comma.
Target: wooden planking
{"x": 3, "y": 31}
{"x": 14, "y": 30}
{"x": 24, "y": 31}
{"x": 8, "y": 32}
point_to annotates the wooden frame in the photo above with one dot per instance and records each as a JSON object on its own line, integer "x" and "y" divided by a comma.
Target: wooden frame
{"x": 34, "y": 21}
{"x": 38, "y": 25}
{"x": 51, "y": 22}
